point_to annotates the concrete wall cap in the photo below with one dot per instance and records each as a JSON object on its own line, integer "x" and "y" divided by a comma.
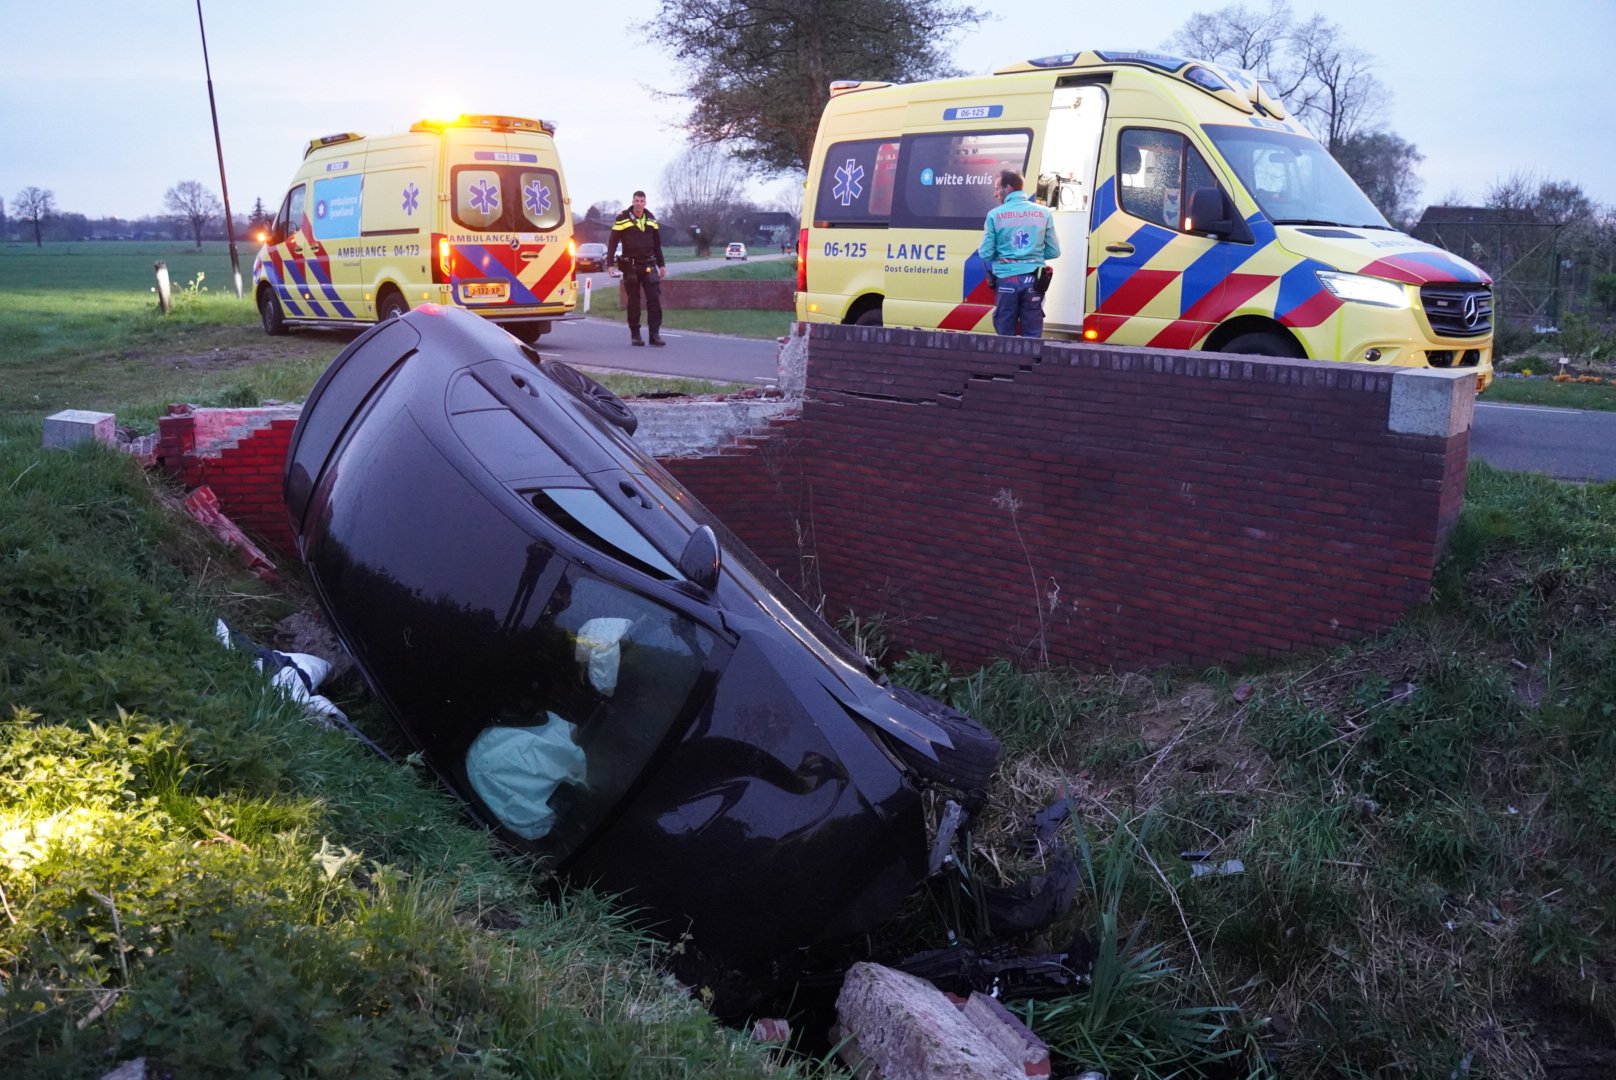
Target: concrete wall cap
{"x": 1428, "y": 401}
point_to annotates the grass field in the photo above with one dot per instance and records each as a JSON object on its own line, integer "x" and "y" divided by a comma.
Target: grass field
{"x": 190, "y": 872}
{"x": 80, "y": 329}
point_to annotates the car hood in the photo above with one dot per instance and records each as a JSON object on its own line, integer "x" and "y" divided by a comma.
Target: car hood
{"x": 1377, "y": 253}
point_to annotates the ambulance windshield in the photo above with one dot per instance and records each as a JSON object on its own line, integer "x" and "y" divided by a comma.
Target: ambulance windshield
{"x": 1294, "y": 179}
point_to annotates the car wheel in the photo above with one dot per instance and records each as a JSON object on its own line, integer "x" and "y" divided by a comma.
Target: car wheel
{"x": 269, "y": 309}
{"x": 1265, "y": 343}
{"x": 606, "y": 404}
{"x": 392, "y": 306}
{"x": 528, "y": 333}
{"x": 969, "y": 764}
{"x": 871, "y": 317}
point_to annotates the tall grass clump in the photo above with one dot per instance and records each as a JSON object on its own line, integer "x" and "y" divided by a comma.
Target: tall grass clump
{"x": 193, "y": 873}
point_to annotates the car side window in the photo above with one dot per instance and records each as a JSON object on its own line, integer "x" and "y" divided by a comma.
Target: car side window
{"x": 1156, "y": 172}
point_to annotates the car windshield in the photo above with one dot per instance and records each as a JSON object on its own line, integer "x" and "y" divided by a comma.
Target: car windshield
{"x": 1294, "y": 179}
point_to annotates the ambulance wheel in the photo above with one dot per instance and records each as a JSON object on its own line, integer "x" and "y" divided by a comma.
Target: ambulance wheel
{"x": 869, "y": 318}
{"x": 1265, "y": 343}
{"x": 529, "y": 333}
{"x": 606, "y": 404}
{"x": 269, "y": 309}
{"x": 392, "y": 306}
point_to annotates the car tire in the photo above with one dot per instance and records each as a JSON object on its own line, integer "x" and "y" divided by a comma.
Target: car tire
{"x": 1264, "y": 343}
{"x": 392, "y": 306}
{"x": 607, "y": 405}
{"x": 269, "y": 310}
{"x": 871, "y": 317}
{"x": 969, "y": 764}
{"x": 528, "y": 333}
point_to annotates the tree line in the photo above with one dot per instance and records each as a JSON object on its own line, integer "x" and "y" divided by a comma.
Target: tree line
{"x": 194, "y": 213}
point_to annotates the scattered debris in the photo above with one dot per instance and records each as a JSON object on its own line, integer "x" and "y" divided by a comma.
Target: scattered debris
{"x": 1228, "y": 866}
{"x": 894, "y": 1026}
{"x": 203, "y": 505}
{"x": 1200, "y": 868}
{"x": 297, "y": 675}
{"x": 771, "y": 1031}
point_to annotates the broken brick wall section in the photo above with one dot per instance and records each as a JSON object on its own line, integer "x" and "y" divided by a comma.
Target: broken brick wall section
{"x": 241, "y": 455}
{"x": 1095, "y": 504}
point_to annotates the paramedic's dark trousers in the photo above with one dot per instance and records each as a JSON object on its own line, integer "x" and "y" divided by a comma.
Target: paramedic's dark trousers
{"x": 633, "y": 282}
{"x": 1017, "y": 307}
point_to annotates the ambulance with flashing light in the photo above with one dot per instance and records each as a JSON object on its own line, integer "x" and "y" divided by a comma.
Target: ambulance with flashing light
{"x": 1192, "y": 210}
{"x": 471, "y": 212}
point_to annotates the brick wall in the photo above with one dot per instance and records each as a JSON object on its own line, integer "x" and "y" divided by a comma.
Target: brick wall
{"x": 993, "y": 496}
{"x": 1109, "y": 506}
{"x": 709, "y": 293}
{"x": 241, "y": 455}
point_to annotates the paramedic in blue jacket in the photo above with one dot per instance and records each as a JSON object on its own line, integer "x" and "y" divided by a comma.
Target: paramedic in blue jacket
{"x": 1017, "y": 240}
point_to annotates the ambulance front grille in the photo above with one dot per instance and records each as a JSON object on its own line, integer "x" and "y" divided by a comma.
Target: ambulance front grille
{"x": 1458, "y": 310}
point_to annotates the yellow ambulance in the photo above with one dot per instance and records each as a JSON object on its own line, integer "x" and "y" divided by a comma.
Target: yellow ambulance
{"x": 471, "y": 212}
{"x": 1192, "y": 211}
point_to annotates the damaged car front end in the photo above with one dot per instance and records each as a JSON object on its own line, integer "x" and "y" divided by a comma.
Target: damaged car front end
{"x": 589, "y": 660}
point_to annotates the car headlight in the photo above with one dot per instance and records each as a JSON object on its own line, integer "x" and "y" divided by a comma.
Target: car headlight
{"x": 1364, "y": 290}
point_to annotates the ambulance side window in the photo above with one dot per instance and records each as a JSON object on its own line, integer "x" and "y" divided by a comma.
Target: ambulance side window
{"x": 290, "y": 217}
{"x": 945, "y": 180}
{"x": 855, "y": 183}
{"x": 1156, "y": 172}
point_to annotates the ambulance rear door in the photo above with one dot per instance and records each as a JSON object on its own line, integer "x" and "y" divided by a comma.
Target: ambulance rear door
{"x": 1065, "y": 184}
{"x": 507, "y": 212}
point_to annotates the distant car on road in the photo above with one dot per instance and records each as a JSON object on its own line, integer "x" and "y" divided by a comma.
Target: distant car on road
{"x": 735, "y": 251}
{"x": 590, "y": 257}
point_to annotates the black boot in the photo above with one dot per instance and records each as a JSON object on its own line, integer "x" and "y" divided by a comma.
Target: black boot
{"x": 634, "y": 336}
{"x": 656, "y": 338}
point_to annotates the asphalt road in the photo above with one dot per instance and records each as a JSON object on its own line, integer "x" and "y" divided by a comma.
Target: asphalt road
{"x": 603, "y": 345}
{"x": 1567, "y": 444}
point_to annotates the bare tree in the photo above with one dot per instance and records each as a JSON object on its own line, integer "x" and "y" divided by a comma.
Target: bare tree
{"x": 35, "y": 205}
{"x": 194, "y": 205}
{"x": 1250, "y": 40}
{"x": 604, "y": 210}
{"x": 1326, "y": 83}
{"x": 1344, "y": 98}
{"x": 702, "y": 190}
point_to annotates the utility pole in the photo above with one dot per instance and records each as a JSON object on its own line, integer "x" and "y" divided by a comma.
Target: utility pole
{"x": 229, "y": 222}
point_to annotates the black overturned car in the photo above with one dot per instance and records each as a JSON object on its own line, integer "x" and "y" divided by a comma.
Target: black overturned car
{"x": 596, "y": 667}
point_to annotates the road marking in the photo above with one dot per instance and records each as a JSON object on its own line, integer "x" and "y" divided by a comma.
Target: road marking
{"x": 1527, "y": 408}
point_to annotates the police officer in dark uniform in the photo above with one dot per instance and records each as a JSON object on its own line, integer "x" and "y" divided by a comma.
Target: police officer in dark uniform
{"x": 637, "y": 235}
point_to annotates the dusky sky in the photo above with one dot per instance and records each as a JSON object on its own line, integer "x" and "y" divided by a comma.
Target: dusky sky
{"x": 106, "y": 104}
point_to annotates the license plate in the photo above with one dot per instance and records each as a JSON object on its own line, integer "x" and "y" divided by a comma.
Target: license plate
{"x": 484, "y": 292}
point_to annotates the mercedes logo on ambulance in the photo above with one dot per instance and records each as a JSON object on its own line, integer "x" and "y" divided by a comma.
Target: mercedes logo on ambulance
{"x": 1472, "y": 310}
